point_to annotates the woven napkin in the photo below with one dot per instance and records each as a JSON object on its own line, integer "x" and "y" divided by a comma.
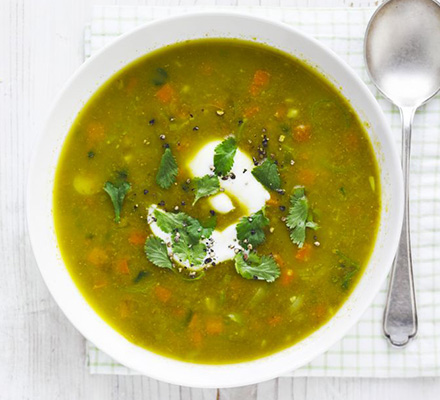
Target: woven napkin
{"x": 363, "y": 352}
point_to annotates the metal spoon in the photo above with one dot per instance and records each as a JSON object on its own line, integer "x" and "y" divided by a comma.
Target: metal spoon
{"x": 402, "y": 53}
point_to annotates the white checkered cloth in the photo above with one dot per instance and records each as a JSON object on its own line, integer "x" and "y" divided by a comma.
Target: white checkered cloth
{"x": 363, "y": 352}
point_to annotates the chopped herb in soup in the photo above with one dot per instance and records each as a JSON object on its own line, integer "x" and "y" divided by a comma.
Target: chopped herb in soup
{"x": 216, "y": 201}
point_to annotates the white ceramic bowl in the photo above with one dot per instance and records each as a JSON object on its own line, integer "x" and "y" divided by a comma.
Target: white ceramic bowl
{"x": 92, "y": 74}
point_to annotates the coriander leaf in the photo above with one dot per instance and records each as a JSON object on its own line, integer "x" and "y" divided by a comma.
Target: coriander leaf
{"x": 297, "y": 220}
{"x": 184, "y": 251}
{"x": 160, "y": 76}
{"x": 156, "y": 251}
{"x": 250, "y": 229}
{"x": 168, "y": 222}
{"x": 186, "y": 234}
{"x": 267, "y": 174}
{"x": 255, "y": 267}
{"x": 206, "y": 186}
{"x": 224, "y": 155}
{"x": 121, "y": 175}
{"x": 141, "y": 275}
{"x": 117, "y": 195}
{"x": 167, "y": 170}
{"x": 349, "y": 275}
{"x": 350, "y": 268}
{"x": 198, "y": 254}
{"x": 181, "y": 249}
{"x": 196, "y": 230}
{"x": 312, "y": 225}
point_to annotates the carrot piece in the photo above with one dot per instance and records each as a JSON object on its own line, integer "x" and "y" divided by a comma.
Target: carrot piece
{"x": 302, "y": 133}
{"x": 287, "y": 277}
{"x": 163, "y": 294}
{"x": 279, "y": 260}
{"x": 196, "y": 337}
{"x": 97, "y": 257}
{"x": 131, "y": 84}
{"x": 320, "y": 311}
{"x": 251, "y": 111}
{"x": 100, "y": 284}
{"x": 352, "y": 141}
{"x": 165, "y": 94}
{"x": 275, "y": 320}
{"x": 260, "y": 80}
{"x": 273, "y": 202}
{"x": 281, "y": 111}
{"x": 206, "y": 68}
{"x": 287, "y": 274}
{"x": 124, "y": 309}
{"x": 137, "y": 238}
{"x": 261, "y": 77}
{"x": 303, "y": 254}
{"x": 194, "y": 323}
{"x": 306, "y": 177}
{"x": 95, "y": 132}
{"x": 214, "y": 326}
{"x": 194, "y": 333}
{"x": 122, "y": 266}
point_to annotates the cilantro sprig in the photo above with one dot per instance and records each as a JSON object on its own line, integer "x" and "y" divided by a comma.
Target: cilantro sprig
{"x": 250, "y": 229}
{"x": 168, "y": 222}
{"x": 206, "y": 186}
{"x": 166, "y": 175}
{"x": 253, "y": 266}
{"x": 249, "y": 264}
{"x": 185, "y": 252}
{"x": 224, "y": 155}
{"x": 117, "y": 196}
{"x": 299, "y": 217}
{"x": 156, "y": 251}
{"x": 196, "y": 231}
{"x": 187, "y": 235}
{"x": 348, "y": 267}
{"x": 267, "y": 174}
{"x": 171, "y": 222}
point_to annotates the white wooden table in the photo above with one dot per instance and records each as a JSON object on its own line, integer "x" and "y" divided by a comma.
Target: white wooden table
{"x": 42, "y": 356}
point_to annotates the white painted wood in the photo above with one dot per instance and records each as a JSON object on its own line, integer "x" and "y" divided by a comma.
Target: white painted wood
{"x": 42, "y": 356}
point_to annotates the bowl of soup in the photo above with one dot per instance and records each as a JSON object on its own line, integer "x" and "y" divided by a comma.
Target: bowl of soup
{"x": 215, "y": 199}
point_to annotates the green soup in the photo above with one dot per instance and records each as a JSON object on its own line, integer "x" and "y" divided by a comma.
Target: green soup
{"x": 148, "y": 258}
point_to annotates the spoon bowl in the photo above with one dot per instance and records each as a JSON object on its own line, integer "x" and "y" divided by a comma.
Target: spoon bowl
{"x": 402, "y": 51}
{"x": 403, "y": 60}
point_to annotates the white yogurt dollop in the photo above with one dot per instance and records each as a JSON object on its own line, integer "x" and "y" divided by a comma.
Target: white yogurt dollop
{"x": 221, "y": 203}
{"x": 245, "y": 188}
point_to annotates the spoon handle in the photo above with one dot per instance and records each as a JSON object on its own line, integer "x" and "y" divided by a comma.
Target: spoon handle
{"x": 400, "y": 316}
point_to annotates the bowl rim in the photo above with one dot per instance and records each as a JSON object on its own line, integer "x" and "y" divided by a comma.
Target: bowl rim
{"x": 215, "y": 381}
